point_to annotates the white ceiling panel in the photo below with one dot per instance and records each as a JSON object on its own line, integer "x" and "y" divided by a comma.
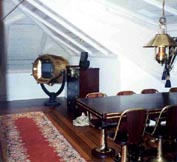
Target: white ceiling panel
{"x": 38, "y": 14}
{"x": 151, "y": 9}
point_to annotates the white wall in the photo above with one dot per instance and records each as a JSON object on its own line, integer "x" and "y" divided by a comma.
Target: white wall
{"x": 23, "y": 86}
{"x": 118, "y": 74}
{"x": 109, "y": 73}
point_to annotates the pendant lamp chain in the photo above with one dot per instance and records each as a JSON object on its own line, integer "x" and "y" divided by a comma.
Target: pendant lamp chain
{"x": 162, "y": 20}
{"x": 163, "y": 12}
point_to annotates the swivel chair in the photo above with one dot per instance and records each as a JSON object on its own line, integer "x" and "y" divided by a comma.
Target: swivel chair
{"x": 149, "y": 91}
{"x": 94, "y": 120}
{"x": 167, "y": 130}
{"x": 129, "y": 133}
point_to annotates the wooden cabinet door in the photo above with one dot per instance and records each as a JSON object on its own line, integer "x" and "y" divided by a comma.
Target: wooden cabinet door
{"x": 80, "y": 82}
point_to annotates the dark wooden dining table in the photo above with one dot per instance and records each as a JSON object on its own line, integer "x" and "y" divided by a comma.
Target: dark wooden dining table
{"x": 111, "y": 107}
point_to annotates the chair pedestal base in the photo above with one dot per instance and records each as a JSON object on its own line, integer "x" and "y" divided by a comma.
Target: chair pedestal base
{"x": 124, "y": 154}
{"x": 159, "y": 157}
{"x": 103, "y": 153}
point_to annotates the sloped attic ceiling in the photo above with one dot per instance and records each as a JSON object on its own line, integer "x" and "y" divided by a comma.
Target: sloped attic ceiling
{"x": 61, "y": 30}
{"x": 24, "y": 39}
{"x": 146, "y": 11}
{"x": 55, "y": 20}
{"x": 49, "y": 18}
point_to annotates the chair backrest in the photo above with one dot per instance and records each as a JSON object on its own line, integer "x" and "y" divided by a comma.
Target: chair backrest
{"x": 128, "y": 92}
{"x": 149, "y": 91}
{"x": 171, "y": 121}
{"x": 95, "y": 95}
{"x": 170, "y": 127}
{"x": 131, "y": 126}
{"x": 173, "y": 89}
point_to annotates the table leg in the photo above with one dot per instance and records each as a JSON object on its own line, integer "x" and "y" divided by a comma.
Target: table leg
{"x": 103, "y": 151}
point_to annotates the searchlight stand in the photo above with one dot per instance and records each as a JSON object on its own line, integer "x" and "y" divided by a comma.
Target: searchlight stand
{"x": 53, "y": 95}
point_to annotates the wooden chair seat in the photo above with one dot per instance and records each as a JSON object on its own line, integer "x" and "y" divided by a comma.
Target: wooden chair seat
{"x": 128, "y": 92}
{"x": 149, "y": 91}
{"x": 173, "y": 89}
{"x": 95, "y": 95}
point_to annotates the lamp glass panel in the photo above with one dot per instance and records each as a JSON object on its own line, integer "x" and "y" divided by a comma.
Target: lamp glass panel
{"x": 39, "y": 74}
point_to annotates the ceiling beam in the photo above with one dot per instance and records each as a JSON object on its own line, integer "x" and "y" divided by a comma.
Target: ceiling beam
{"x": 57, "y": 40}
{"x": 52, "y": 35}
{"x": 55, "y": 29}
{"x": 158, "y": 4}
{"x": 60, "y": 32}
{"x": 31, "y": 14}
{"x": 73, "y": 29}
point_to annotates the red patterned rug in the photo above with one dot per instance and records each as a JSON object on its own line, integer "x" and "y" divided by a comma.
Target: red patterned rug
{"x": 31, "y": 137}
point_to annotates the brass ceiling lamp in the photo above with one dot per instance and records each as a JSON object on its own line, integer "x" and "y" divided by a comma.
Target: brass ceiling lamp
{"x": 162, "y": 40}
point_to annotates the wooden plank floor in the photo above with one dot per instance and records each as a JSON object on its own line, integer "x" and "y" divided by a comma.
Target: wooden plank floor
{"x": 83, "y": 139}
